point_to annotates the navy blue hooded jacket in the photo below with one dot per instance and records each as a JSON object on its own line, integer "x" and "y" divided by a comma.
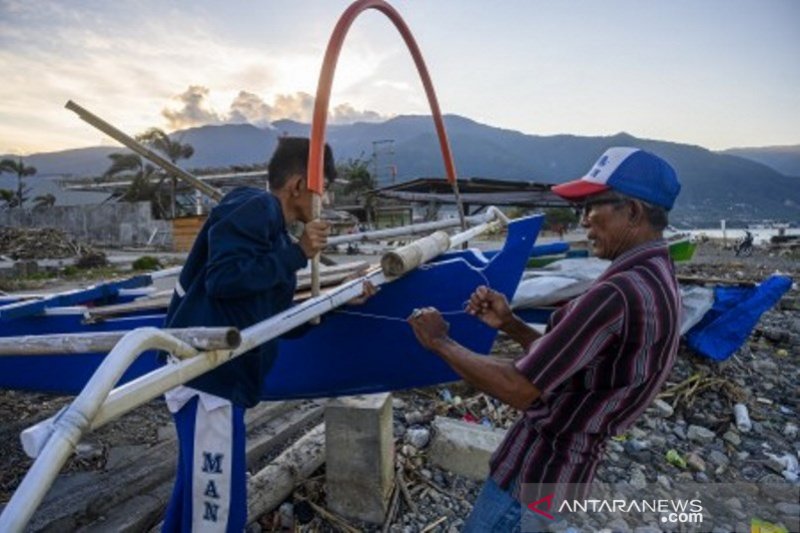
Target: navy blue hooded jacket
{"x": 241, "y": 270}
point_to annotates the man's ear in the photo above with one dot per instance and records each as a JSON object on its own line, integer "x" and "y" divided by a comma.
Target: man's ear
{"x": 296, "y": 184}
{"x": 636, "y": 212}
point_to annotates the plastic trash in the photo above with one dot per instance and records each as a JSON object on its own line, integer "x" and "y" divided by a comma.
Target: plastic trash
{"x": 675, "y": 459}
{"x": 446, "y": 395}
{"x": 762, "y": 526}
{"x": 742, "y": 417}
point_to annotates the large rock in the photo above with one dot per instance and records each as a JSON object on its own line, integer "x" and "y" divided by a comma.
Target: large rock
{"x": 700, "y": 434}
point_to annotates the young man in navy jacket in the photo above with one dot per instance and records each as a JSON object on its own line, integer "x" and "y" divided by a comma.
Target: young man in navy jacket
{"x": 241, "y": 270}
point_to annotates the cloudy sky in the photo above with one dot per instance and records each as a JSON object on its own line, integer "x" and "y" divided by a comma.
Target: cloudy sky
{"x": 717, "y": 73}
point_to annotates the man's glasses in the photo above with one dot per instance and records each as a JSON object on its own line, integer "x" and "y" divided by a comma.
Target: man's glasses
{"x": 587, "y": 206}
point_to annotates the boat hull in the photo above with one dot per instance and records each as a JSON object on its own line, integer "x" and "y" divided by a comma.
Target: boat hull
{"x": 356, "y": 349}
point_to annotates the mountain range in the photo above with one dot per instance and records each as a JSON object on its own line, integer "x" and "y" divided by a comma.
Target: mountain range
{"x": 784, "y": 159}
{"x": 740, "y": 185}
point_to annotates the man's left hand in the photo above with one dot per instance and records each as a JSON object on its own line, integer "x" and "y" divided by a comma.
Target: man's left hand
{"x": 368, "y": 290}
{"x": 429, "y": 327}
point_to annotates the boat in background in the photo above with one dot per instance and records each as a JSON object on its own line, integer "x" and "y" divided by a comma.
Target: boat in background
{"x": 681, "y": 247}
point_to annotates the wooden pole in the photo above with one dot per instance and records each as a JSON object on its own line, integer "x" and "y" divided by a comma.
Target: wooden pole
{"x": 404, "y": 259}
{"x": 406, "y": 230}
{"x": 143, "y": 151}
{"x": 200, "y": 338}
{"x": 316, "y": 212}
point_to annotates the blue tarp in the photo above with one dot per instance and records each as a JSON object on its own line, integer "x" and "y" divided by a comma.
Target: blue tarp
{"x": 735, "y": 313}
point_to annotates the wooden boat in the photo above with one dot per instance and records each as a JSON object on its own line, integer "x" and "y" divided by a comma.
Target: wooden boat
{"x": 357, "y": 349}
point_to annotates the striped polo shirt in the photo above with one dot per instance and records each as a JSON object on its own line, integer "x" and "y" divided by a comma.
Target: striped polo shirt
{"x": 602, "y": 360}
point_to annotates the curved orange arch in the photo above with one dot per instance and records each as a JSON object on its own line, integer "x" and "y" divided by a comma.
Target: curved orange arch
{"x": 320, "y": 118}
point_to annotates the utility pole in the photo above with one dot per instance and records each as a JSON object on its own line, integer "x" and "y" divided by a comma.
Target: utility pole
{"x": 384, "y": 169}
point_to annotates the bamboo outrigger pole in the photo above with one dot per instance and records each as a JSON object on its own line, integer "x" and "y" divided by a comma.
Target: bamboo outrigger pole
{"x": 143, "y": 151}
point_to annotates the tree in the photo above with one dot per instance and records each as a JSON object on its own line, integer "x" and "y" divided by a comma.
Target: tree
{"x": 44, "y": 201}
{"x": 559, "y": 219}
{"x": 141, "y": 189}
{"x": 359, "y": 182}
{"x": 357, "y": 175}
{"x": 18, "y": 167}
{"x": 8, "y": 197}
{"x": 173, "y": 150}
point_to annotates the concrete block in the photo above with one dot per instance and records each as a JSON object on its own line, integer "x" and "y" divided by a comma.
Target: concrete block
{"x": 359, "y": 456}
{"x": 463, "y": 448}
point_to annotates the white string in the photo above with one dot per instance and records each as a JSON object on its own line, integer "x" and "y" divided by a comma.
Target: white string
{"x": 403, "y": 319}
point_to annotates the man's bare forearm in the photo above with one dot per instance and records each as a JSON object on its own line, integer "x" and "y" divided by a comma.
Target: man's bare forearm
{"x": 521, "y": 332}
{"x": 497, "y": 377}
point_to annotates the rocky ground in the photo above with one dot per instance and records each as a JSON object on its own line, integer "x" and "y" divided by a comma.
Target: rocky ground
{"x": 689, "y": 435}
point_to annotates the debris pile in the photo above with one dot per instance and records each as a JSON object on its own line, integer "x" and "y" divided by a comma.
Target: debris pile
{"x": 39, "y": 243}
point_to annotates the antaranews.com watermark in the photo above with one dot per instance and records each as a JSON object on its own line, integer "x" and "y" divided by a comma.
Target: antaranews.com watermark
{"x": 691, "y": 507}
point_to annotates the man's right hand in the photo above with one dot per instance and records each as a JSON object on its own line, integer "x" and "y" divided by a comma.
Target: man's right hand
{"x": 314, "y": 237}
{"x": 491, "y": 307}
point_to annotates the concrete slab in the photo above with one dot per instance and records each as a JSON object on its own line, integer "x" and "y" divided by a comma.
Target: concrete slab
{"x": 463, "y": 448}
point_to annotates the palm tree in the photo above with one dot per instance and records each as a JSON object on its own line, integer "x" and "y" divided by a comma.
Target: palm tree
{"x": 360, "y": 182}
{"x": 173, "y": 150}
{"x": 8, "y": 197}
{"x": 44, "y": 201}
{"x": 18, "y": 167}
{"x": 141, "y": 188}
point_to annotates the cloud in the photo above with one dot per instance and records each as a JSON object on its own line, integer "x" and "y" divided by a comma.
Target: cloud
{"x": 347, "y": 114}
{"x": 195, "y": 111}
{"x": 249, "y": 108}
{"x": 298, "y": 106}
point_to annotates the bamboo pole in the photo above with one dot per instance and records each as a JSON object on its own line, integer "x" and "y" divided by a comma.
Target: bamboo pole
{"x": 143, "y": 151}
{"x": 316, "y": 212}
{"x": 399, "y": 261}
{"x": 404, "y": 259}
{"x": 200, "y": 338}
{"x": 412, "y": 229}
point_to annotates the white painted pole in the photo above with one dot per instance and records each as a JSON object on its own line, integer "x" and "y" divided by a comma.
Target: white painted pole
{"x": 68, "y": 428}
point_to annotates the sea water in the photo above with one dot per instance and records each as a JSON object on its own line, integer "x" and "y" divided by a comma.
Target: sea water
{"x": 760, "y": 236}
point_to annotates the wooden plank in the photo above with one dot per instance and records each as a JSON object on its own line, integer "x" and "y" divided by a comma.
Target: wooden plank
{"x": 156, "y": 303}
{"x": 184, "y": 232}
{"x": 702, "y": 280}
{"x": 73, "y": 297}
{"x": 132, "y": 497}
{"x": 275, "y": 482}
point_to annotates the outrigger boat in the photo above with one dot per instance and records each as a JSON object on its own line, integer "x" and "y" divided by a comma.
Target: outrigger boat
{"x": 356, "y": 349}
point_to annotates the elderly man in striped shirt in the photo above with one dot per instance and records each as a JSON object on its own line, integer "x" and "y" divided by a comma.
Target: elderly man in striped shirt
{"x": 603, "y": 357}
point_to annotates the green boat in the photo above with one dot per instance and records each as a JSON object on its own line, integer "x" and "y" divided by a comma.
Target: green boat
{"x": 681, "y": 248}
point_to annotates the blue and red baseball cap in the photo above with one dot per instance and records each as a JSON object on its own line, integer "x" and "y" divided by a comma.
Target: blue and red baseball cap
{"x": 630, "y": 171}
